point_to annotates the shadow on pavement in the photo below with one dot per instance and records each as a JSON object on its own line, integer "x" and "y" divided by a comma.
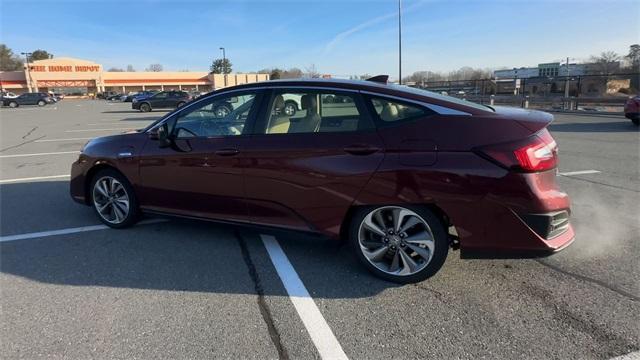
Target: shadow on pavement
{"x": 605, "y": 126}
{"x": 179, "y": 255}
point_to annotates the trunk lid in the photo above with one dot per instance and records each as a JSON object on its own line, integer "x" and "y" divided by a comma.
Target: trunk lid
{"x": 533, "y": 120}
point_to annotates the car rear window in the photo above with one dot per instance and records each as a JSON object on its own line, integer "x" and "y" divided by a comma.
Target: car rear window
{"x": 447, "y": 98}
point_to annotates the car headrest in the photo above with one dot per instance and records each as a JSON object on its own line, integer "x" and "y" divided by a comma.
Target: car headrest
{"x": 309, "y": 102}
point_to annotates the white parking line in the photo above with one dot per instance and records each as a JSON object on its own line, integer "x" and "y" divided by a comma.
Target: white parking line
{"x": 581, "y": 172}
{"x": 39, "y": 154}
{"x": 317, "y": 327}
{"x": 67, "y": 231}
{"x": 20, "y": 180}
{"x": 88, "y": 130}
{"x": 70, "y": 139}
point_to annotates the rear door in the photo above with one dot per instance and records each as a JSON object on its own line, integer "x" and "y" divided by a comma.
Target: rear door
{"x": 304, "y": 171}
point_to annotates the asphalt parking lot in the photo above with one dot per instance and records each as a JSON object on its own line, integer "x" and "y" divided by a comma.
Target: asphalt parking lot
{"x": 187, "y": 289}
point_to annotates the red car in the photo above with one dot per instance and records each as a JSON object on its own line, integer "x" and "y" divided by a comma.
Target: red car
{"x": 632, "y": 109}
{"x": 402, "y": 174}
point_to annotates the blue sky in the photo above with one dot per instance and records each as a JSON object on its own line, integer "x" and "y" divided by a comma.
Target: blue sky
{"x": 339, "y": 37}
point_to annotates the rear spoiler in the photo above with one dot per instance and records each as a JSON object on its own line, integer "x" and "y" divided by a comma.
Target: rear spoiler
{"x": 382, "y": 79}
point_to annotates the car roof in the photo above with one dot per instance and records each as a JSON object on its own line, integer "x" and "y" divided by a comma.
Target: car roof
{"x": 401, "y": 91}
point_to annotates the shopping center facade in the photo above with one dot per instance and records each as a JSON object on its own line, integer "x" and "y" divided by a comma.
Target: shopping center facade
{"x": 86, "y": 78}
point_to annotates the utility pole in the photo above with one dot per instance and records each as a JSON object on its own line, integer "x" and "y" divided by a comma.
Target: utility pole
{"x": 224, "y": 65}
{"x": 400, "y": 42}
{"x": 29, "y": 80}
{"x": 566, "y": 82}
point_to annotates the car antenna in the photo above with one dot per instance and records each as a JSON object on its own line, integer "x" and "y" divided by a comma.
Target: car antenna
{"x": 382, "y": 79}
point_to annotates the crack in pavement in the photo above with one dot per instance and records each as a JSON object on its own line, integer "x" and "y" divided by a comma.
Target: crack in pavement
{"x": 29, "y": 132}
{"x": 590, "y": 280}
{"x": 22, "y": 143}
{"x": 262, "y": 305}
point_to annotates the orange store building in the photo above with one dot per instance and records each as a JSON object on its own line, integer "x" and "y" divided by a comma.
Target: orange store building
{"x": 80, "y": 77}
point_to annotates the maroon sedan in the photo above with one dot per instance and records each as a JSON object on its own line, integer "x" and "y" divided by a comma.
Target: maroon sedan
{"x": 632, "y": 109}
{"x": 402, "y": 174}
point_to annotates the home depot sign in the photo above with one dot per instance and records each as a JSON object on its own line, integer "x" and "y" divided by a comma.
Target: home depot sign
{"x": 65, "y": 68}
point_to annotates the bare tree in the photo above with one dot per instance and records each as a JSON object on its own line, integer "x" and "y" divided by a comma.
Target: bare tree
{"x": 115, "y": 69}
{"x": 312, "y": 72}
{"x": 155, "y": 67}
{"x": 130, "y": 68}
{"x": 634, "y": 57}
{"x": 607, "y": 61}
{"x": 8, "y": 60}
{"x": 292, "y": 73}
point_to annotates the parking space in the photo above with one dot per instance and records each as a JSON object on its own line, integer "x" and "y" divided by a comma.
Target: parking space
{"x": 188, "y": 289}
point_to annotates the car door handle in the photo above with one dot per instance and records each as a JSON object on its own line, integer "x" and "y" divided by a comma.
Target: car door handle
{"x": 361, "y": 149}
{"x": 227, "y": 152}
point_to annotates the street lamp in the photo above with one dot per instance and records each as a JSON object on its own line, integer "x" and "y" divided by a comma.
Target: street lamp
{"x": 224, "y": 65}
{"x": 29, "y": 80}
{"x": 400, "y": 42}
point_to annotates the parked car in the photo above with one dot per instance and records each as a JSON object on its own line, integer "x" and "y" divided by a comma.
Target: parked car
{"x": 114, "y": 97}
{"x": 40, "y": 99}
{"x": 402, "y": 174}
{"x": 139, "y": 95}
{"x": 632, "y": 109}
{"x": 161, "y": 100}
{"x": 8, "y": 95}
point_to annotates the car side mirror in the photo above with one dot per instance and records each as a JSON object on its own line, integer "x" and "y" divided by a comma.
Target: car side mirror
{"x": 161, "y": 134}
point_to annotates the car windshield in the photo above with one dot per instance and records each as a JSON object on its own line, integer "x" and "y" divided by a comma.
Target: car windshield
{"x": 447, "y": 98}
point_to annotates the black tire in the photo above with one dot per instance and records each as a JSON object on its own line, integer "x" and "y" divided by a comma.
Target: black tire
{"x": 133, "y": 214}
{"x": 41, "y": 103}
{"x": 290, "y": 108}
{"x": 180, "y": 104}
{"x": 13, "y": 104}
{"x": 145, "y": 107}
{"x": 441, "y": 245}
{"x": 636, "y": 121}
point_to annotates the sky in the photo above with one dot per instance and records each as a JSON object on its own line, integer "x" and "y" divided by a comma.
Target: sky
{"x": 343, "y": 38}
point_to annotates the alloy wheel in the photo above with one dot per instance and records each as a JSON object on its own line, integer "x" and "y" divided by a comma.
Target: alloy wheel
{"x": 396, "y": 240}
{"x": 290, "y": 109}
{"x": 111, "y": 200}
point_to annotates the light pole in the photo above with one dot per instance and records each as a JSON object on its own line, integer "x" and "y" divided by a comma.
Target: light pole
{"x": 224, "y": 65}
{"x": 26, "y": 57}
{"x": 400, "y": 42}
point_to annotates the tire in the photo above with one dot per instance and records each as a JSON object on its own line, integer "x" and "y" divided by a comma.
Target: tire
{"x": 145, "y": 107}
{"x": 636, "y": 121}
{"x": 290, "y": 108}
{"x": 13, "y": 104}
{"x": 108, "y": 199}
{"x": 222, "y": 111}
{"x": 41, "y": 103}
{"x": 180, "y": 104}
{"x": 389, "y": 252}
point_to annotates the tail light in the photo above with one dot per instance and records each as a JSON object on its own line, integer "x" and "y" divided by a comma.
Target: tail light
{"x": 536, "y": 153}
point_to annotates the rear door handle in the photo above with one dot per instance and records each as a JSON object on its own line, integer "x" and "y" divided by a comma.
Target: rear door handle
{"x": 227, "y": 152}
{"x": 361, "y": 149}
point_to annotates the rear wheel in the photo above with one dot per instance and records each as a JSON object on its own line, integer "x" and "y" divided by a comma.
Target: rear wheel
{"x": 290, "y": 108}
{"x": 180, "y": 104}
{"x": 145, "y": 107}
{"x": 403, "y": 244}
{"x": 113, "y": 199}
{"x": 13, "y": 104}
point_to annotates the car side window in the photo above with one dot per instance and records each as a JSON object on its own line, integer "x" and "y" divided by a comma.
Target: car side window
{"x": 314, "y": 112}
{"x": 390, "y": 111}
{"x": 220, "y": 116}
{"x": 162, "y": 95}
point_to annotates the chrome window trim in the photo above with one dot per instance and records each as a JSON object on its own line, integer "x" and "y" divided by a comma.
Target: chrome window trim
{"x": 441, "y": 110}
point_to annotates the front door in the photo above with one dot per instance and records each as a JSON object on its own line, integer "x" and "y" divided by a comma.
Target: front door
{"x": 303, "y": 171}
{"x": 199, "y": 174}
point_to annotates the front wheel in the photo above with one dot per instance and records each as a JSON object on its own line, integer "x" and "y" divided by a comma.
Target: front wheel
{"x": 113, "y": 199}
{"x": 290, "y": 108}
{"x": 402, "y": 244}
{"x": 180, "y": 104}
{"x": 41, "y": 103}
{"x": 13, "y": 104}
